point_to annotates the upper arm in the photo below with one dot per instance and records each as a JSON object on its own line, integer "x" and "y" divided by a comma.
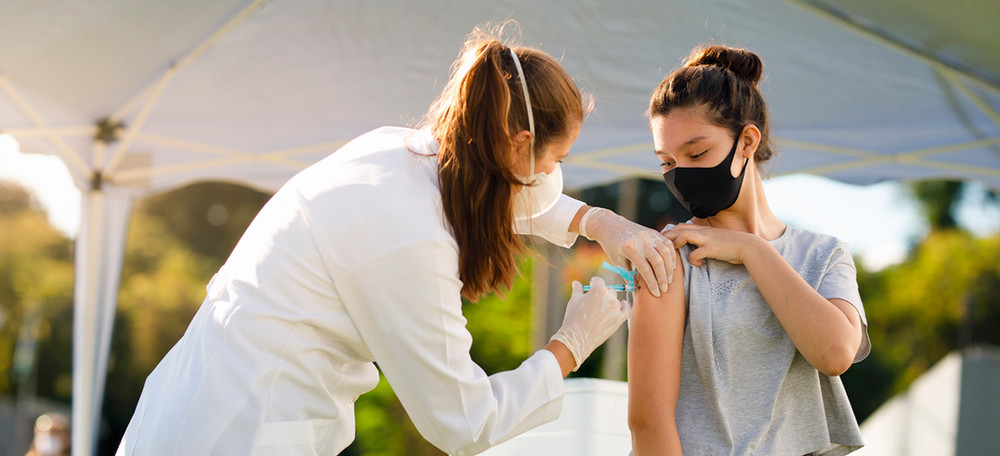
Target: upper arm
{"x": 857, "y": 326}
{"x": 656, "y": 333}
{"x": 839, "y": 286}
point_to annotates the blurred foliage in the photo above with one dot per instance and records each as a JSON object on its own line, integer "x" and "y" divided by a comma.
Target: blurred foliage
{"x": 938, "y": 200}
{"x": 208, "y": 217}
{"x": 943, "y": 297}
{"x": 36, "y": 287}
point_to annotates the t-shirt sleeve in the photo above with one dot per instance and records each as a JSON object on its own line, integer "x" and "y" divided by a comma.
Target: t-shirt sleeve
{"x": 841, "y": 282}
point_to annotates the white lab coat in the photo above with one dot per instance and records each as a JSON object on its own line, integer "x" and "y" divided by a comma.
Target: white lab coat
{"x": 351, "y": 262}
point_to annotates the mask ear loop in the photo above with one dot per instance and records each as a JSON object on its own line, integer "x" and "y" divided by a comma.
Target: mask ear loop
{"x": 527, "y": 103}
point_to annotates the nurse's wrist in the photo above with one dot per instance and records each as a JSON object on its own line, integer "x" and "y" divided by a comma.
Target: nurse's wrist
{"x": 574, "y": 226}
{"x": 563, "y": 356}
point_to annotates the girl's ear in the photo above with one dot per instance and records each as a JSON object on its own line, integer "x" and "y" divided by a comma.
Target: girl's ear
{"x": 751, "y": 140}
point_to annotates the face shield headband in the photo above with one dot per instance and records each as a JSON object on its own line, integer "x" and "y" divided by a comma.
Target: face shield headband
{"x": 543, "y": 189}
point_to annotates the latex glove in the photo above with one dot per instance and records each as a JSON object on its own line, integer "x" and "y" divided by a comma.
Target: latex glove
{"x": 591, "y": 318}
{"x": 623, "y": 239}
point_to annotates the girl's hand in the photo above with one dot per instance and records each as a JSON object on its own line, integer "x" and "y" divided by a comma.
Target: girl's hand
{"x": 717, "y": 243}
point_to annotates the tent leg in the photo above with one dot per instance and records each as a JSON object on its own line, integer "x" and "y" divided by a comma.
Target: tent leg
{"x": 100, "y": 247}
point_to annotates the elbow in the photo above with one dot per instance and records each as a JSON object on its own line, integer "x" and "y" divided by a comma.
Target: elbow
{"x": 637, "y": 422}
{"x": 836, "y": 359}
{"x": 654, "y": 434}
{"x": 648, "y": 422}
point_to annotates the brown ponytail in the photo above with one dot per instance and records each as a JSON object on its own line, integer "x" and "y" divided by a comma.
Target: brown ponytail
{"x": 722, "y": 81}
{"x": 475, "y": 120}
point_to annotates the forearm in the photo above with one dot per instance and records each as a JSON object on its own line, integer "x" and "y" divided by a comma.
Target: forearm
{"x": 822, "y": 332}
{"x": 574, "y": 226}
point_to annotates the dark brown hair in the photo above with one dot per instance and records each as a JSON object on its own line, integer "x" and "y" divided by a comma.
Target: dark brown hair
{"x": 475, "y": 119}
{"x": 722, "y": 81}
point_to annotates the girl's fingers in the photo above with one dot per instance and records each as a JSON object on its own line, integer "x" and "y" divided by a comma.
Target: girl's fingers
{"x": 697, "y": 255}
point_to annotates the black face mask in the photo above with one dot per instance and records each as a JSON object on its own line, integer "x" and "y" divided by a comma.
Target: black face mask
{"x": 706, "y": 191}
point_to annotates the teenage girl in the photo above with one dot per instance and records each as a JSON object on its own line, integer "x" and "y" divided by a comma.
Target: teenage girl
{"x": 745, "y": 358}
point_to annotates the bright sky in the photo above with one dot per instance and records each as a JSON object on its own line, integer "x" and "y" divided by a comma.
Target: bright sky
{"x": 879, "y": 222}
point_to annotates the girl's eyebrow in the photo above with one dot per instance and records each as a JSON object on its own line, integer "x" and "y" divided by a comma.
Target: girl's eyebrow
{"x": 689, "y": 142}
{"x": 693, "y": 140}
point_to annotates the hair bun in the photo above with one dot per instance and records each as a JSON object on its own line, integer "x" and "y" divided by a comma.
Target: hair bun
{"x": 744, "y": 64}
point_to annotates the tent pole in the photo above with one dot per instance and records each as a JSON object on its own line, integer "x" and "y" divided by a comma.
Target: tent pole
{"x": 99, "y": 254}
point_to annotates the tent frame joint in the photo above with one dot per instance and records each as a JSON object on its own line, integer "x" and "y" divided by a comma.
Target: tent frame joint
{"x": 107, "y": 130}
{"x": 97, "y": 181}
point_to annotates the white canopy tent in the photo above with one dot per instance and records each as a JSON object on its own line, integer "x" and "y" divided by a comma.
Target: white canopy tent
{"x": 142, "y": 96}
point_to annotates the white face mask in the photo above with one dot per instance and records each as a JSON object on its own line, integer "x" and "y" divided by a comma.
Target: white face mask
{"x": 539, "y": 196}
{"x": 543, "y": 189}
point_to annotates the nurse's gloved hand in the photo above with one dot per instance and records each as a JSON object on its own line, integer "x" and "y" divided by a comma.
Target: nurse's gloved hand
{"x": 623, "y": 239}
{"x": 591, "y": 318}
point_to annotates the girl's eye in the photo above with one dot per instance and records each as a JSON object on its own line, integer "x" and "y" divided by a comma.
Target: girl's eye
{"x": 667, "y": 164}
{"x": 699, "y": 155}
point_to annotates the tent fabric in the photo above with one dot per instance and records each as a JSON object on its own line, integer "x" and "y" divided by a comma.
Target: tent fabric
{"x": 251, "y": 91}
{"x": 254, "y": 91}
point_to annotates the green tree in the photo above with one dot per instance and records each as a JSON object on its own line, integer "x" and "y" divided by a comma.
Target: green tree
{"x": 36, "y": 285}
{"x": 942, "y": 298}
{"x": 176, "y": 241}
{"x": 208, "y": 217}
{"x": 938, "y": 200}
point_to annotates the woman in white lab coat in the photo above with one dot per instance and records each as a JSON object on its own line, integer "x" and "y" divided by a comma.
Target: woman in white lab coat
{"x": 364, "y": 257}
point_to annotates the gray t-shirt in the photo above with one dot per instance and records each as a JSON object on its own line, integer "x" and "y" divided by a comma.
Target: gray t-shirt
{"x": 745, "y": 389}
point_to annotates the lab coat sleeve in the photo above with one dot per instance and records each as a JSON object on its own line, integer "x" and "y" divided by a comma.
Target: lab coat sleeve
{"x": 406, "y": 305}
{"x": 553, "y": 224}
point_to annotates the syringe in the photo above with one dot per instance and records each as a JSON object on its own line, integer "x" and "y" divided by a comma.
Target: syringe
{"x": 629, "y": 277}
